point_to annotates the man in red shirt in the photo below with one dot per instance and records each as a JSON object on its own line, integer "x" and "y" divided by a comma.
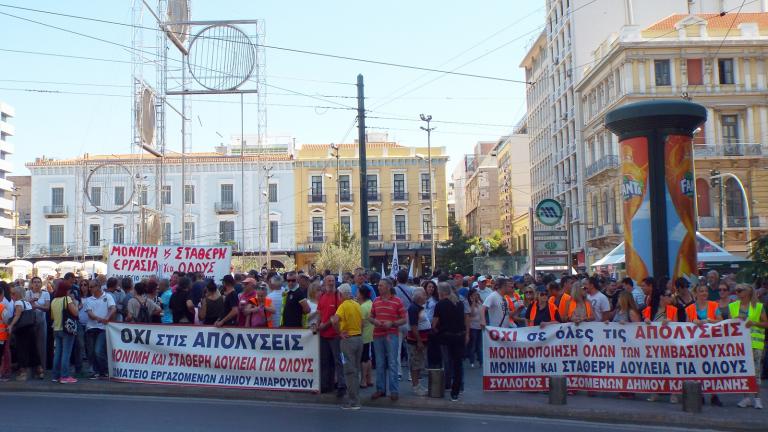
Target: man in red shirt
{"x": 387, "y": 315}
{"x": 330, "y": 350}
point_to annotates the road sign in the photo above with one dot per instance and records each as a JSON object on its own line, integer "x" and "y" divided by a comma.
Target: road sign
{"x": 555, "y": 260}
{"x": 549, "y": 212}
{"x": 549, "y": 245}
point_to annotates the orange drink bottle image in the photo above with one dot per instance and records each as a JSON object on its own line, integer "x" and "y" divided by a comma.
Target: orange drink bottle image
{"x": 679, "y": 192}
{"x": 636, "y": 208}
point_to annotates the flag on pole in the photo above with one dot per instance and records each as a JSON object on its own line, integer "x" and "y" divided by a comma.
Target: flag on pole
{"x": 395, "y": 264}
{"x": 383, "y": 272}
{"x": 410, "y": 271}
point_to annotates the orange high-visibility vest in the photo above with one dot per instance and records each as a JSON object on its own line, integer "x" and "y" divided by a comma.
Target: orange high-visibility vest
{"x": 691, "y": 314}
{"x": 562, "y": 308}
{"x": 671, "y": 313}
{"x": 515, "y": 297}
{"x": 572, "y": 308}
{"x": 3, "y": 326}
{"x": 532, "y": 316}
{"x": 267, "y": 303}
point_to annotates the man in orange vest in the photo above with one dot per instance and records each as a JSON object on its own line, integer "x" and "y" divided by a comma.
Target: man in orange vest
{"x": 559, "y": 295}
{"x": 542, "y": 311}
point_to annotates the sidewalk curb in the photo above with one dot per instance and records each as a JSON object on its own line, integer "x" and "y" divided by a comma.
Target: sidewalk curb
{"x": 680, "y": 419}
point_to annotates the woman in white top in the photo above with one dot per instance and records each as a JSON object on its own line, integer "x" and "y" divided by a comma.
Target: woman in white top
{"x": 40, "y": 299}
{"x": 24, "y": 332}
{"x": 313, "y": 292}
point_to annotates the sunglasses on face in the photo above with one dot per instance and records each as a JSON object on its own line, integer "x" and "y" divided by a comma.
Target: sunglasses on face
{"x": 528, "y": 292}
{"x": 726, "y": 289}
{"x": 738, "y": 290}
{"x": 291, "y": 280}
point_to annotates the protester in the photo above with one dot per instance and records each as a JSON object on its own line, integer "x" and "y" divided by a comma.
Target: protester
{"x": 62, "y": 307}
{"x": 314, "y": 290}
{"x": 475, "y": 346}
{"x": 100, "y": 308}
{"x": 449, "y": 324}
{"x": 542, "y": 312}
{"x": 348, "y": 323}
{"x": 212, "y": 307}
{"x": 579, "y": 310}
{"x": 753, "y": 313}
{"x": 387, "y": 315}
{"x": 725, "y": 298}
{"x": 713, "y": 284}
{"x": 702, "y": 311}
{"x": 434, "y": 356}
{"x": 626, "y": 310}
{"x": 231, "y": 303}
{"x": 660, "y": 307}
{"x": 126, "y": 292}
{"x": 417, "y": 339}
{"x": 560, "y": 297}
{"x": 6, "y": 312}
{"x": 164, "y": 288}
{"x": 22, "y": 327}
{"x": 496, "y": 310}
{"x": 683, "y": 297}
{"x": 140, "y": 308}
{"x": 181, "y": 306}
{"x": 276, "y": 297}
{"x": 600, "y": 305}
{"x": 295, "y": 306}
{"x": 330, "y": 349}
{"x": 259, "y": 311}
{"x": 359, "y": 279}
{"x": 404, "y": 292}
{"x": 364, "y": 299}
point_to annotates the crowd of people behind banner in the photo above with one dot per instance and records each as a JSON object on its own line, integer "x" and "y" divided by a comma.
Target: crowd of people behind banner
{"x": 370, "y": 326}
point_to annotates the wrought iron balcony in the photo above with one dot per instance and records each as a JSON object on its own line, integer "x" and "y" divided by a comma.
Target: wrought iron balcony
{"x": 315, "y": 198}
{"x": 401, "y": 237}
{"x": 400, "y": 196}
{"x": 345, "y": 197}
{"x": 426, "y": 196}
{"x": 226, "y": 207}
{"x": 603, "y": 164}
{"x": 604, "y": 231}
{"x": 319, "y": 238}
{"x": 373, "y": 196}
{"x": 727, "y": 149}
{"x": 55, "y": 211}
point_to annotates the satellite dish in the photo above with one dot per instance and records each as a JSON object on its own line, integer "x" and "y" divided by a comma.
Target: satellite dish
{"x": 178, "y": 13}
{"x": 145, "y": 116}
{"x": 221, "y": 57}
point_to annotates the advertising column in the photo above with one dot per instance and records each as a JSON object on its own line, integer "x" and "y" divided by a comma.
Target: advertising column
{"x": 657, "y": 185}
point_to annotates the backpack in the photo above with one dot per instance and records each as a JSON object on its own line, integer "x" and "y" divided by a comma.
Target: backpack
{"x": 143, "y": 316}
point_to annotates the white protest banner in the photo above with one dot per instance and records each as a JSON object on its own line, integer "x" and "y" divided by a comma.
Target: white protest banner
{"x": 140, "y": 261}
{"x": 263, "y": 359}
{"x": 641, "y": 358}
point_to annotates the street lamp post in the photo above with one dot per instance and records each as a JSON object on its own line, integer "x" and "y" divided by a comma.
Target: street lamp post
{"x": 336, "y": 154}
{"x": 747, "y": 212}
{"x": 428, "y": 118}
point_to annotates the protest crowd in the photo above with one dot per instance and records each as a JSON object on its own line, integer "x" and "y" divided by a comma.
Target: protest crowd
{"x": 371, "y": 328}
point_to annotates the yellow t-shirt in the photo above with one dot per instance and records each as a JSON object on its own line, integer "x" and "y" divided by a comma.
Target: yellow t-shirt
{"x": 56, "y": 309}
{"x": 350, "y": 318}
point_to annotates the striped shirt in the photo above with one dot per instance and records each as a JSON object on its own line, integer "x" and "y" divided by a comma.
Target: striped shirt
{"x": 391, "y": 309}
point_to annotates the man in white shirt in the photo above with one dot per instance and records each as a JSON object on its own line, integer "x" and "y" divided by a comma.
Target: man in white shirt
{"x": 495, "y": 306}
{"x": 100, "y": 308}
{"x": 484, "y": 290}
{"x": 601, "y": 307}
{"x": 276, "y": 296}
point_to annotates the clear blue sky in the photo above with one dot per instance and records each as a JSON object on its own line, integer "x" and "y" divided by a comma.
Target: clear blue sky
{"x": 435, "y": 34}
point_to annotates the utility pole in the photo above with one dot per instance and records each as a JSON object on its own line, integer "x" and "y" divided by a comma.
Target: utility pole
{"x": 365, "y": 259}
{"x": 336, "y": 149}
{"x": 428, "y": 118}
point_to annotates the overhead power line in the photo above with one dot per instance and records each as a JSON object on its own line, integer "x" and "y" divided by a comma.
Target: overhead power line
{"x": 274, "y": 47}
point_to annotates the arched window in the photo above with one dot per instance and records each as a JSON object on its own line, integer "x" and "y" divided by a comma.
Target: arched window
{"x": 702, "y": 198}
{"x": 734, "y": 203}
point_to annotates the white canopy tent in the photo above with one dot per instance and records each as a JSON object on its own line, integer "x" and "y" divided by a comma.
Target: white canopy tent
{"x": 69, "y": 266}
{"x": 707, "y": 252}
{"x": 94, "y": 267}
{"x": 45, "y": 268}
{"x": 20, "y": 268}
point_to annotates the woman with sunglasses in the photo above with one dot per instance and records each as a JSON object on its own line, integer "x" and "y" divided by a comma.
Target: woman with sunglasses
{"x": 752, "y": 312}
{"x": 541, "y": 312}
{"x": 725, "y": 299}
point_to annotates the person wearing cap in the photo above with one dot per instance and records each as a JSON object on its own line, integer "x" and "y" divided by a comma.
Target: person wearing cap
{"x": 484, "y": 290}
{"x": 249, "y": 292}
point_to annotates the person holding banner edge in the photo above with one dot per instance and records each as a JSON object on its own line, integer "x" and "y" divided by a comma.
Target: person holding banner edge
{"x": 748, "y": 309}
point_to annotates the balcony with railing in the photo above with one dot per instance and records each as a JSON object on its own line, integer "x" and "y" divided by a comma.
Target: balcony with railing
{"x": 54, "y": 211}
{"x": 606, "y": 230}
{"x": 345, "y": 197}
{"x": 400, "y": 196}
{"x": 401, "y": 237}
{"x": 374, "y": 237}
{"x": 426, "y": 196}
{"x": 226, "y": 207}
{"x": 316, "y": 198}
{"x": 713, "y": 222}
{"x": 428, "y": 236}
{"x": 373, "y": 196}
{"x": 729, "y": 150}
{"x": 605, "y": 163}
{"x": 314, "y": 242}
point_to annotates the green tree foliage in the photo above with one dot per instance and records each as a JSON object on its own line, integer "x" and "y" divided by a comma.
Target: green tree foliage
{"x": 342, "y": 256}
{"x": 759, "y": 256}
{"x": 494, "y": 243}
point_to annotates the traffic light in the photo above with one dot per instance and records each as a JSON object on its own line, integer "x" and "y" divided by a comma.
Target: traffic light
{"x": 714, "y": 181}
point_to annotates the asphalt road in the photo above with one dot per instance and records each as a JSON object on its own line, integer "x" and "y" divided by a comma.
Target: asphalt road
{"x": 51, "y": 412}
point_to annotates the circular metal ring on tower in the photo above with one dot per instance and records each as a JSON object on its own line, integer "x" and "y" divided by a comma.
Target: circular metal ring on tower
{"x": 221, "y": 57}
